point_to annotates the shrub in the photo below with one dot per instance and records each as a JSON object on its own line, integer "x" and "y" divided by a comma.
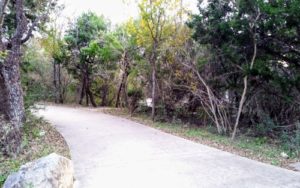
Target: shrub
{"x": 134, "y": 96}
{"x": 266, "y": 127}
{"x": 9, "y": 138}
{"x": 291, "y": 141}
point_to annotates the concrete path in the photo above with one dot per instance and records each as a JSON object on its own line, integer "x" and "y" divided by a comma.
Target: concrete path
{"x": 111, "y": 152}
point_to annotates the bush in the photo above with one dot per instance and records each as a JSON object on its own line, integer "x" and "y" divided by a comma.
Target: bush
{"x": 291, "y": 141}
{"x": 134, "y": 96}
{"x": 266, "y": 127}
{"x": 9, "y": 138}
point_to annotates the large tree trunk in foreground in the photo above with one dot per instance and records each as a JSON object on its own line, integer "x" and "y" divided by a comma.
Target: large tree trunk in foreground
{"x": 12, "y": 113}
{"x": 11, "y": 91}
{"x": 11, "y": 102}
{"x": 11, "y": 95}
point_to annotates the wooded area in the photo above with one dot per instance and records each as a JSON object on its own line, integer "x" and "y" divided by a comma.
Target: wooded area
{"x": 235, "y": 65}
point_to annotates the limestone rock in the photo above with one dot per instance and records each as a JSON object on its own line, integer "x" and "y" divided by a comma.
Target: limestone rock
{"x": 52, "y": 171}
{"x": 284, "y": 155}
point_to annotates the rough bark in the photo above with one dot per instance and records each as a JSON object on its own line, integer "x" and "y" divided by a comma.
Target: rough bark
{"x": 11, "y": 100}
{"x": 55, "y": 83}
{"x": 153, "y": 59}
{"x": 10, "y": 88}
{"x": 86, "y": 91}
{"x": 122, "y": 87}
{"x": 89, "y": 94}
{"x": 153, "y": 92}
{"x": 82, "y": 93}
{"x": 104, "y": 94}
{"x": 119, "y": 92}
{"x": 60, "y": 88}
{"x": 87, "y": 101}
{"x": 12, "y": 106}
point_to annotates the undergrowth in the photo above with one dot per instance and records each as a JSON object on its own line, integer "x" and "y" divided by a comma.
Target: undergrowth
{"x": 39, "y": 139}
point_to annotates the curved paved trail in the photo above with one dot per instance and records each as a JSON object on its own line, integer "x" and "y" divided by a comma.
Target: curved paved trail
{"x": 111, "y": 152}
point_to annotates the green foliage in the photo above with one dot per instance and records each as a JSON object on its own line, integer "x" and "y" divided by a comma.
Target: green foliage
{"x": 92, "y": 52}
{"x": 291, "y": 142}
{"x": 14, "y": 166}
{"x": 33, "y": 9}
{"x": 85, "y": 33}
{"x": 31, "y": 129}
{"x": 2, "y": 179}
{"x": 221, "y": 47}
{"x": 3, "y": 55}
{"x": 227, "y": 31}
{"x": 134, "y": 95}
{"x": 266, "y": 127}
{"x": 35, "y": 74}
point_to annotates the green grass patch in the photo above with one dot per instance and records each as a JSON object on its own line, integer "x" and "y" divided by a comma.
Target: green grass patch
{"x": 255, "y": 148}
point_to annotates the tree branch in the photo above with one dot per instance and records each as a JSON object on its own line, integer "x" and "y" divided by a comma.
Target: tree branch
{"x": 3, "y": 5}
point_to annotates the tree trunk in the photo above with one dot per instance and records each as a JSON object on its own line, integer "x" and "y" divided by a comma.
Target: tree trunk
{"x": 11, "y": 94}
{"x": 125, "y": 96}
{"x": 245, "y": 90}
{"x": 119, "y": 93}
{"x": 153, "y": 91}
{"x": 82, "y": 90}
{"x": 122, "y": 89}
{"x": 89, "y": 93}
{"x": 104, "y": 94}
{"x": 87, "y": 102}
{"x": 55, "y": 82}
{"x": 61, "y": 92}
{"x": 92, "y": 99}
{"x": 11, "y": 100}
